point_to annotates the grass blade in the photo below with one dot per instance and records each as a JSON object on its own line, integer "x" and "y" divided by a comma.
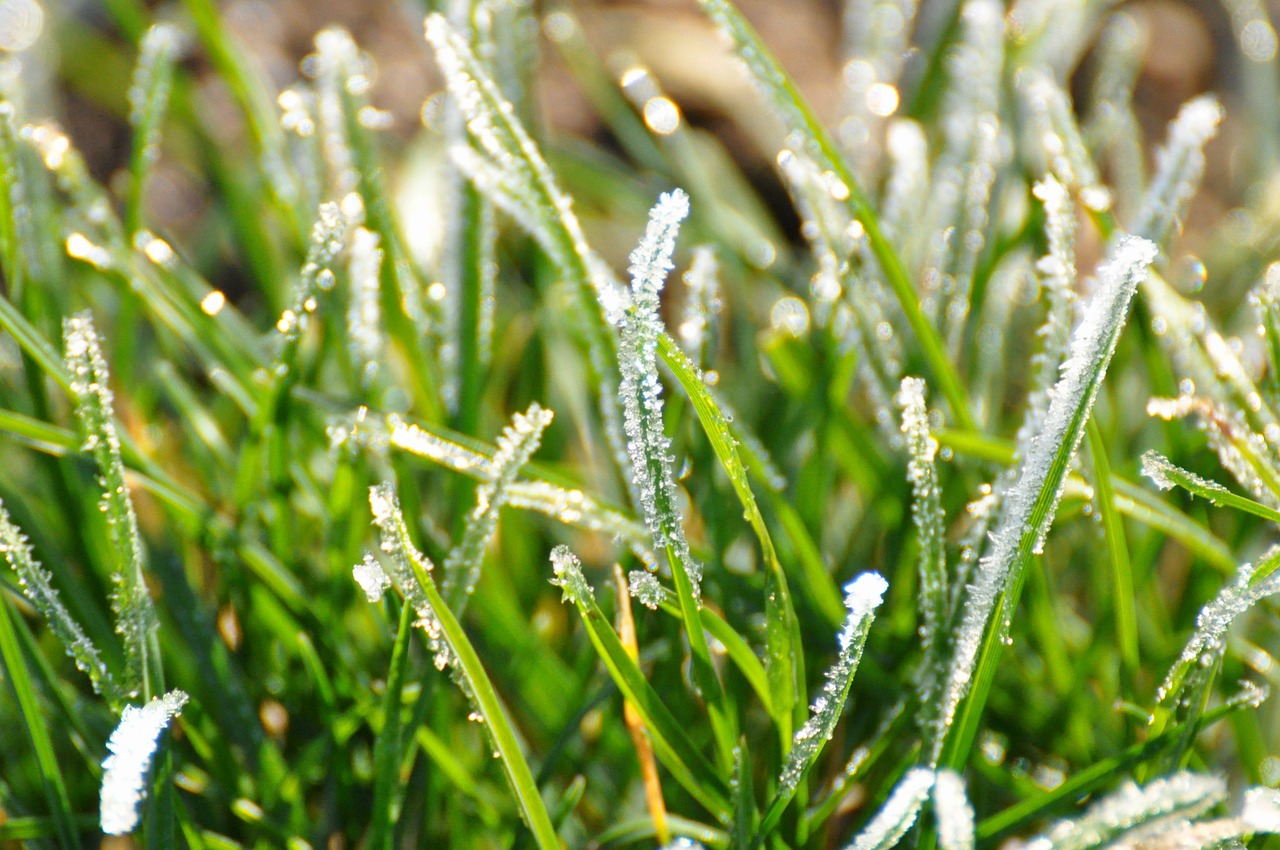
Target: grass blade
{"x": 411, "y": 573}
{"x": 1031, "y": 503}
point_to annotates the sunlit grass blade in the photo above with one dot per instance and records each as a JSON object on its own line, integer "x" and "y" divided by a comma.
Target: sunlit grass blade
{"x": 929, "y": 520}
{"x": 135, "y": 612}
{"x": 671, "y": 743}
{"x": 1166, "y": 475}
{"x": 1123, "y": 599}
{"x": 411, "y": 573}
{"x": 1033, "y": 499}
{"x": 862, "y": 596}
{"x": 516, "y": 445}
{"x": 132, "y": 748}
{"x": 649, "y": 448}
{"x": 35, "y": 583}
{"x": 796, "y": 114}
{"x": 148, "y": 98}
{"x": 1182, "y": 795}
{"x": 952, "y": 811}
{"x": 898, "y": 814}
{"x": 1180, "y": 164}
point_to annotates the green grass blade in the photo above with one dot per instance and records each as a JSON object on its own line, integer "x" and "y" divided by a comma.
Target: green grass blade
{"x": 136, "y": 620}
{"x": 412, "y": 575}
{"x": 1031, "y": 503}
{"x": 670, "y": 742}
{"x": 1124, "y": 601}
{"x": 34, "y": 721}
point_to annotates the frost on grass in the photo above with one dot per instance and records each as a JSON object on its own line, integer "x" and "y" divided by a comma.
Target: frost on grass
{"x": 648, "y": 447}
{"x": 1057, "y": 271}
{"x": 1179, "y": 167}
{"x": 646, "y": 589}
{"x": 567, "y": 575}
{"x": 135, "y": 612}
{"x": 926, "y": 511}
{"x": 1179, "y": 796}
{"x": 328, "y": 235}
{"x": 862, "y": 596}
{"x": 1066, "y": 155}
{"x": 1208, "y": 641}
{"x": 516, "y": 445}
{"x": 570, "y": 506}
{"x": 701, "y": 305}
{"x": 898, "y": 814}
{"x": 149, "y": 91}
{"x": 1032, "y": 500}
{"x": 1243, "y": 452}
{"x": 132, "y": 746}
{"x": 35, "y": 583}
{"x": 364, "y": 312}
{"x": 1166, "y": 475}
{"x": 408, "y": 570}
{"x": 371, "y": 577}
{"x": 953, "y": 812}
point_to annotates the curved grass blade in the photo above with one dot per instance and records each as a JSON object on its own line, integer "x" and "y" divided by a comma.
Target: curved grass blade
{"x": 36, "y": 586}
{"x": 670, "y": 742}
{"x": 136, "y": 620}
{"x": 1167, "y": 475}
{"x": 898, "y": 814}
{"x": 36, "y": 725}
{"x": 516, "y": 445}
{"x": 411, "y": 573}
{"x": 862, "y": 596}
{"x": 1033, "y": 499}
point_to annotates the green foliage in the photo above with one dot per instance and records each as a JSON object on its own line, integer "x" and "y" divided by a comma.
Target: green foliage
{"x": 201, "y": 418}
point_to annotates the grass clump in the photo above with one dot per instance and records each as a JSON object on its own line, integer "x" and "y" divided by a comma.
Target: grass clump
{"x": 875, "y": 476}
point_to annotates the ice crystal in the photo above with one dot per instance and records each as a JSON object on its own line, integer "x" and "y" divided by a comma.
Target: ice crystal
{"x": 373, "y": 580}
{"x": 132, "y": 746}
{"x": 701, "y": 304}
{"x": 646, "y": 589}
{"x": 862, "y": 596}
{"x": 568, "y": 576}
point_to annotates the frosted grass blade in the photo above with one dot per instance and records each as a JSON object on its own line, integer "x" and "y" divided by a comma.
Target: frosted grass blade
{"x": 1032, "y": 500}
{"x": 148, "y": 98}
{"x": 411, "y": 573}
{"x": 135, "y": 613}
{"x": 1166, "y": 475}
{"x": 516, "y": 445}
{"x": 650, "y": 449}
{"x": 898, "y": 814}
{"x": 35, "y": 583}
{"x": 132, "y": 748}
{"x": 1179, "y": 167}
{"x": 1184, "y": 795}
{"x": 670, "y": 742}
{"x": 796, "y": 114}
{"x": 862, "y": 596}
{"x": 953, "y": 812}
{"x": 1207, "y": 643}
{"x": 927, "y": 515}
